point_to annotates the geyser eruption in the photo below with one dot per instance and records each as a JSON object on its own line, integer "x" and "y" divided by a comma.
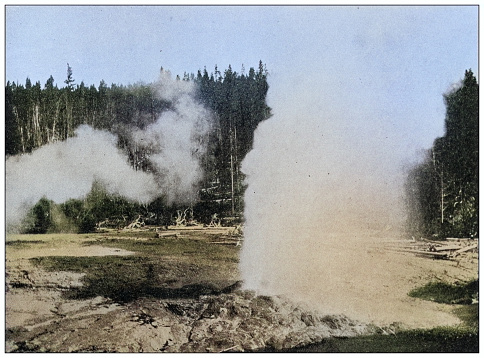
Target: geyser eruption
{"x": 319, "y": 190}
{"x": 64, "y": 170}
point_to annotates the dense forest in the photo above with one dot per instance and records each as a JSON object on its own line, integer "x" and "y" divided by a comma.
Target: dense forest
{"x": 443, "y": 190}
{"x": 37, "y": 115}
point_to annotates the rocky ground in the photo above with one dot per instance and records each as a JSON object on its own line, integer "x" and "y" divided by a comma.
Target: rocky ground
{"x": 40, "y": 317}
{"x": 229, "y": 322}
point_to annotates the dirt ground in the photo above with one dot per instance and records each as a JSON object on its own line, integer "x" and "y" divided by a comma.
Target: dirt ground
{"x": 39, "y": 317}
{"x": 373, "y": 284}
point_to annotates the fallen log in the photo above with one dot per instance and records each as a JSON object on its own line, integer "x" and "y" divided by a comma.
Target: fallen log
{"x": 465, "y": 249}
{"x": 440, "y": 255}
{"x": 448, "y": 248}
{"x": 160, "y": 235}
{"x": 236, "y": 243}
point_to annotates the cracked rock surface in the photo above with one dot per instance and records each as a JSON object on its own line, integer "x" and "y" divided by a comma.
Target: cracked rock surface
{"x": 238, "y": 322}
{"x": 41, "y": 319}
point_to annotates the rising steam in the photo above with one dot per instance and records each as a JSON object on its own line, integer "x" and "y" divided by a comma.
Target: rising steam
{"x": 319, "y": 189}
{"x": 177, "y": 140}
{"x": 68, "y": 169}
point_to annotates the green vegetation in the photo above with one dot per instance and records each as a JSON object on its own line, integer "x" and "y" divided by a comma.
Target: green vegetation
{"x": 469, "y": 314}
{"x": 463, "y": 294}
{"x": 23, "y": 244}
{"x": 49, "y": 217}
{"x": 163, "y": 268}
{"x": 441, "y": 292}
{"x": 437, "y": 340}
{"x": 45, "y": 240}
{"x": 196, "y": 250}
{"x": 99, "y": 206}
{"x": 42, "y": 219}
{"x": 443, "y": 190}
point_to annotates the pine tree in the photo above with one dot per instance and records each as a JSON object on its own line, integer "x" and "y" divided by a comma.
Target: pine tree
{"x": 69, "y": 130}
{"x": 12, "y": 135}
{"x": 444, "y": 189}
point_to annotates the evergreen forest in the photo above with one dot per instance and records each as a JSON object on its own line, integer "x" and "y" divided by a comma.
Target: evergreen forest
{"x": 443, "y": 190}
{"x": 36, "y": 115}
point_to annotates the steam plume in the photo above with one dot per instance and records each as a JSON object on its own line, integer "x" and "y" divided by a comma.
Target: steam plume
{"x": 319, "y": 188}
{"x": 177, "y": 140}
{"x": 64, "y": 170}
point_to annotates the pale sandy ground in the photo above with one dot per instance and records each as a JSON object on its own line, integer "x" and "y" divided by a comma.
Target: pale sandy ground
{"x": 23, "y": 306}
{"x": 371, "y": 281}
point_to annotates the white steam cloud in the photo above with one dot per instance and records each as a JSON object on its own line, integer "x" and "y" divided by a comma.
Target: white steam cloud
{"x": 65, "y": 170}
{"x": 68, "y": 169}
{"x": 177, "y": 140}
{"x": 319, "y": 190}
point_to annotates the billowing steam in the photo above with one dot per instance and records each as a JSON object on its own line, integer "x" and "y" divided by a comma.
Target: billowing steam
{"x": 177, "y": 140}
{"x": 65, "y": 170}
{"x": 319, "y": 190}
{"x": 68, "y": 169}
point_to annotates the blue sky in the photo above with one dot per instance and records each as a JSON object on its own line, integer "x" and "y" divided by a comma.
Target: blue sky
{"x": 385, "y": 66}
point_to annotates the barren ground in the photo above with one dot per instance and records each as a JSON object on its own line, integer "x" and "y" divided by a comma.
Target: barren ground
{"x": 190, "y": 303}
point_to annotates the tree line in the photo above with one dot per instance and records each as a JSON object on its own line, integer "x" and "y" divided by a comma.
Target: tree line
{"x": 37, "y": 115}
{"x": 442, "y": 194}
{"x": 443, "y": 190}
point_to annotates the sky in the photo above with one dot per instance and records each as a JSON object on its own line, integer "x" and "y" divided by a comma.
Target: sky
{"x": 388, "y": 66}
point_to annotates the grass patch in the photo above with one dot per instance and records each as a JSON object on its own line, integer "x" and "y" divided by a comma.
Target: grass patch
{"x": 469, "y": 314}
{"x": 441, "y": 292}
{"x": 23, "y": 243}
{"x": 168, "y": 268}
{"x": 116, "y": 277}
{"x": 127, "y": 278}
{"x": 437, "y": 340}
{"x": 198, "y": 250}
